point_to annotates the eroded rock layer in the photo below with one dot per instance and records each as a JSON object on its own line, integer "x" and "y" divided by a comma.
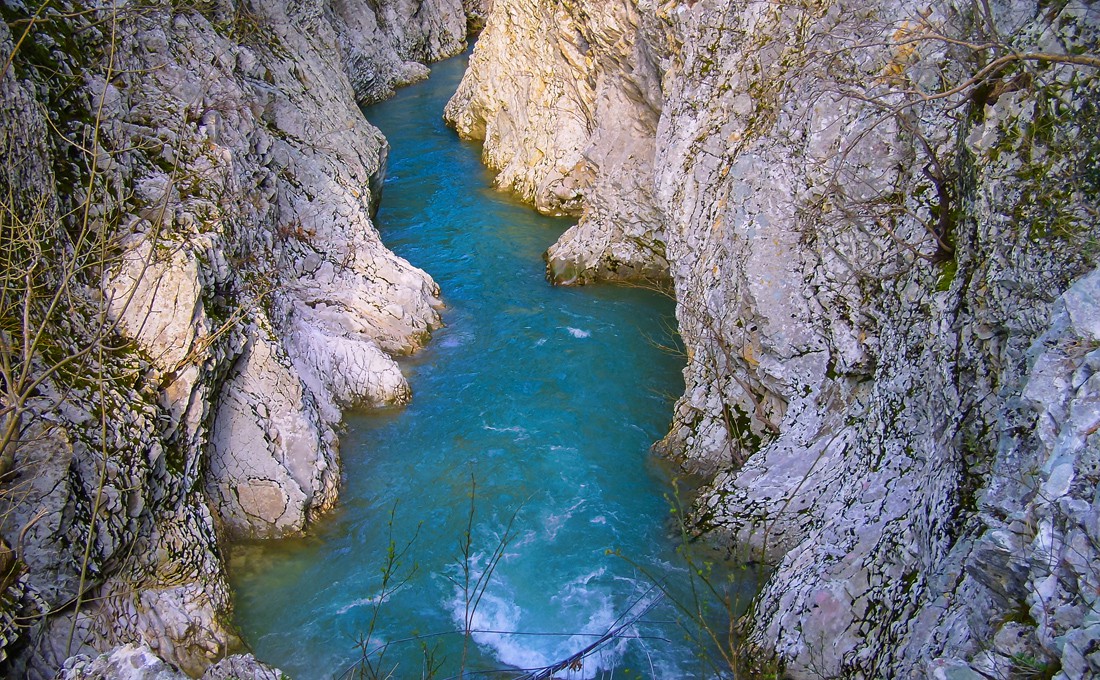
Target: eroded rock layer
{"x": 880, "y": 222}
{"x": 193, "y": 290}
{"x": 567, "y": 99}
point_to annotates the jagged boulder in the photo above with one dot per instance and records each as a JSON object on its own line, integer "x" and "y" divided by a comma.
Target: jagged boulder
{"x": 139, "y": 662}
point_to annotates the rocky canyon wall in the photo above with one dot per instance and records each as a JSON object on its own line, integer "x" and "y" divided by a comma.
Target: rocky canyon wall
{"x": 192, "y": 291}
{"x": 880, "y": 222}
{"x": 567, "y": 99}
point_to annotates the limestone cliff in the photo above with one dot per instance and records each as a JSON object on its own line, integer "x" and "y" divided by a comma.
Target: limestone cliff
{"x": 873, "y": 215}
{"x": 388, "y": 44}
{"x": 567, "y": 100}
{"x": 192, "y": 291}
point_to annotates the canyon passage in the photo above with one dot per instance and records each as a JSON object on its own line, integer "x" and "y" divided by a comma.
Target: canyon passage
{"x": 547, "y": 398}
{"x": 880, "y": 221}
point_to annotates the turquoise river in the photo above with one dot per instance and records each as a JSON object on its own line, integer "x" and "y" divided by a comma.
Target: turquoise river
{"x": 543, "y": 402}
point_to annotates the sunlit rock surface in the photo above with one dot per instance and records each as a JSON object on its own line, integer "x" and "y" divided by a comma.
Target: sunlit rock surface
{"x": 245, "y": 296}
{"x": 139, "y": 662}
{"x": 567, "y": 98}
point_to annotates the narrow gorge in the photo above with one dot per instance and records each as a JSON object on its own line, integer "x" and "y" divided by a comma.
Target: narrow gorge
{"x": 534, "y": 407}
{"x": 878, "y": 220}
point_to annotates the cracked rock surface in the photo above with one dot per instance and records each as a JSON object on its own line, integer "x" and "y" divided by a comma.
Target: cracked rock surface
{"x": 138, "y": 662}
{"x": 245, "y": 300}
{"x": 566, "y": 98}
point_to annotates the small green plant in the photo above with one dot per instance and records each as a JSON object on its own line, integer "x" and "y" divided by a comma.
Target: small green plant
{"x": 395, "y": 576}
{"x": 1034, "y": 668}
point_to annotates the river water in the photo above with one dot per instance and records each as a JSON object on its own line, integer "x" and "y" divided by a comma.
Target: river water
{"x": 534, "y": 401}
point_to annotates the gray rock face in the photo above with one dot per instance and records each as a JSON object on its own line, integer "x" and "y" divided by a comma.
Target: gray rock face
{"x": 388, "y": 44}
{"x": 129, "y": 662}
{"x": 867, "y": 265}
{"x": 566, "y": 99}
{"x": 139, "y": 662}
{"x": 271, "y": 467}
{"x": 244, "y": 301}
{"x": 241, "y": 667}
